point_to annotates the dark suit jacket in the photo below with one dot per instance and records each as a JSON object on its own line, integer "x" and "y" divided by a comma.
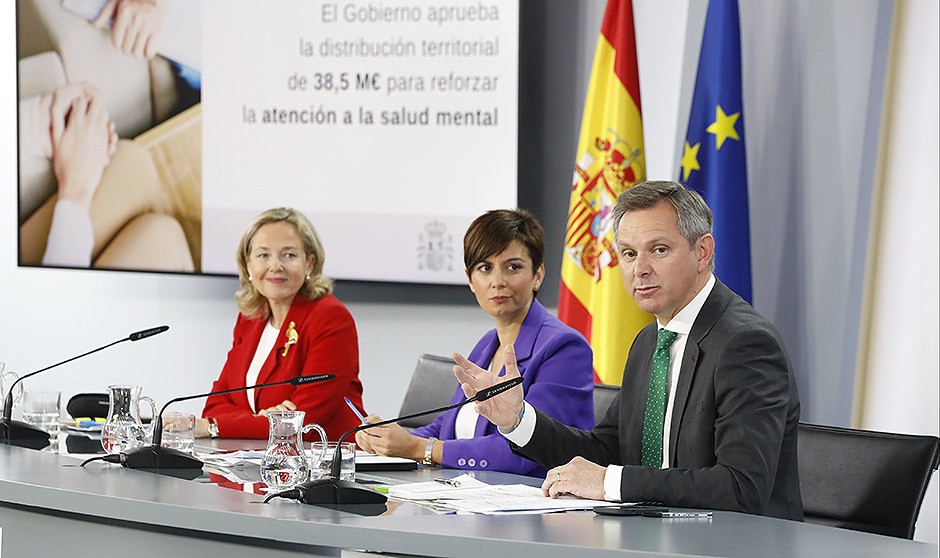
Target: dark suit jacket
{"x": 557, "y": 376}
{"x": 734, "y": 423}
{"x": 326, "y": 343}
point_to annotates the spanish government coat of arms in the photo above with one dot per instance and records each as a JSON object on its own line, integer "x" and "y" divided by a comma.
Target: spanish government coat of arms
{"x": 435, "y": 248}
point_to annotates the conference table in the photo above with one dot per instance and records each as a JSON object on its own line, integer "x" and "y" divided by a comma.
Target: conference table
{"x": 50, "y": 507}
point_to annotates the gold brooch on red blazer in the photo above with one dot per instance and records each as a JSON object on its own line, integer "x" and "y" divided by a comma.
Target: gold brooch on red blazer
{"x": 292, "y": 338}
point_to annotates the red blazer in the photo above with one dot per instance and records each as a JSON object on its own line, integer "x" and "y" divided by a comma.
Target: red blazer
{"x": 326, "y": 343}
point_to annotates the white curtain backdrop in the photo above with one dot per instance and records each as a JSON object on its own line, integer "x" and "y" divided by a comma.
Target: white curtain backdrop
{"x": 898, "y": 367}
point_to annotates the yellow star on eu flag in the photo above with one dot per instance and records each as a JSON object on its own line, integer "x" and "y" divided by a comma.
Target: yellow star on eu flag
{"x": 723, "y": 126}
{"x": 690, "y": 160}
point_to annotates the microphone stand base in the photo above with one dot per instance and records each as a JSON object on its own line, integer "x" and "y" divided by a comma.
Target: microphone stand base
{"x": 335, "y": 491}
{"x": 158, "y": 457}
{"x": 17, "y": 433}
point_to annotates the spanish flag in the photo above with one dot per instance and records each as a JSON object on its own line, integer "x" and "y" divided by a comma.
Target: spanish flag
{"x": 592, "y": 298}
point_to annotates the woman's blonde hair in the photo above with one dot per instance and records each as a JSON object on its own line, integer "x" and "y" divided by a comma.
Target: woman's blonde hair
{"x": 250, "y": 302}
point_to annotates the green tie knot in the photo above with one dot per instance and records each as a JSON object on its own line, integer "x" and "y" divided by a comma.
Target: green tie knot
{"x": 665, "y": 338}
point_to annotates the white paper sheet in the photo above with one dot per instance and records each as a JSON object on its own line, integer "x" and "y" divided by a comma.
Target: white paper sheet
{"x": 469, "y": 495}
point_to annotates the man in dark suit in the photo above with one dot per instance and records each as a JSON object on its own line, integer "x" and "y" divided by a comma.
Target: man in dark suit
{"x": 708, "y": 411}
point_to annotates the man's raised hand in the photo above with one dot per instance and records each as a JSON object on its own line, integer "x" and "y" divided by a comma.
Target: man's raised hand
{"x": 504, "y": 409}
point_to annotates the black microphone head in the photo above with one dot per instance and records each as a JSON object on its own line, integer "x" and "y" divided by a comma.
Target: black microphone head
{"x": 145, "y": 333}
{"x": 303, "y": 380}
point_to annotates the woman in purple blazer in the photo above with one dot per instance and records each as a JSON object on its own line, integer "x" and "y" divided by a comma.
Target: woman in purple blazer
{"x": 503, "y": 252}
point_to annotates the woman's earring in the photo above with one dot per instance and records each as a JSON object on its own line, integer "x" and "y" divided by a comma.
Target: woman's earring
{"x": 308, "y": 277}
{"x": 250, "y": 278}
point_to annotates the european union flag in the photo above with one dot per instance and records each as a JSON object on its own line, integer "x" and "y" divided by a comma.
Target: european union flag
{"x": 714, "y": 161}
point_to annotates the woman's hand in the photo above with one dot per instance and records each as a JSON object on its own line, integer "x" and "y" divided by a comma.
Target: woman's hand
{"x": 202, "y": 428}
{"x": 54, "y": 109}
{"x": 390, "y": 440}
{"x": 135, "y": 25}
{"x": 60, "y": 105}
{"x": 83, "y": 150}
{"x": 286, "y": 405}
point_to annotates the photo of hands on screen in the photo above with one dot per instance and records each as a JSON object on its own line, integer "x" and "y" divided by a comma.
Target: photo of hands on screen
{"x": 151, "y": 131}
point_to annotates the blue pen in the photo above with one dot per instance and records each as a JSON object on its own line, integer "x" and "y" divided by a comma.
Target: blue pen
{"x": 362, "y": 419}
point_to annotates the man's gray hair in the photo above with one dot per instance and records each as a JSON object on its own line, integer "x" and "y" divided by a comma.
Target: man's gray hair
{"x": 695, "y": 218}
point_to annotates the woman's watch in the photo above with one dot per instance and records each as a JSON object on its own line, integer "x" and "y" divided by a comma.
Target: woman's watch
{"x": 429, "y": 451}
{"x": 213, "y": 427}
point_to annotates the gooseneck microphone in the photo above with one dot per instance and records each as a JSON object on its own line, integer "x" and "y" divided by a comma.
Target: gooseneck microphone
{"x": 157, "y": 457}
{"x": 333, "y": 490}
{"x": 26, "y": 435}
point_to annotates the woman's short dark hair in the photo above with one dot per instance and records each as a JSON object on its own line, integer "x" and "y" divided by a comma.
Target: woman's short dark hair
{"x": 494, "y": 231}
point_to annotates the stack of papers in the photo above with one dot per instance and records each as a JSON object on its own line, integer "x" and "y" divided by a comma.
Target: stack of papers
{"x": 82, "y": 427}
{"x": 241, "y": 458}
{"x": 468, "y": 495}
{"x": 370, "y": 462}
{"x": 364, "y": 461}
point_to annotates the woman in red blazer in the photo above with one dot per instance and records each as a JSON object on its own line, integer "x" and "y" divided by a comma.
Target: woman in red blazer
{"x": 290, "y": 325}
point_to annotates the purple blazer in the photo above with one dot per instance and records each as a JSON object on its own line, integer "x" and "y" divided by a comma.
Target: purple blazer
{"x": 556, "y": 364}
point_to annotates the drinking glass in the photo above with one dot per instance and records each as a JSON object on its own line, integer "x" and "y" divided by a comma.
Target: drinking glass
{"x": 322, "y": 461}
{"x": 41, "y": 409}
{"x": 179, "y": 431}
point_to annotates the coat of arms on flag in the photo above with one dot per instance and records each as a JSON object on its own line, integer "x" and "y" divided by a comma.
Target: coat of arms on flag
{"x": 610, "y": 166}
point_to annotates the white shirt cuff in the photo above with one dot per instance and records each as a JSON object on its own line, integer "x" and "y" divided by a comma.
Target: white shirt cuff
{"x": 612, "y": 483}
{"x": 71, "y": 237}
{"x": 523, "y": 432}
{"x": 30, "y": 131}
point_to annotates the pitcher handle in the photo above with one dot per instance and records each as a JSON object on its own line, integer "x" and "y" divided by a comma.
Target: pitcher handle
{"x": 145, "y": 434}
{"x": 5, "y": 374}
{"x": 325, "y": 445}
{"x": 18, "y": 396}
{"x": 153, "y": 407}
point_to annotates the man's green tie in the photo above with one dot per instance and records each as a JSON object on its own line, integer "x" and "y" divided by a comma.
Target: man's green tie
{"x": 652, "y": 454}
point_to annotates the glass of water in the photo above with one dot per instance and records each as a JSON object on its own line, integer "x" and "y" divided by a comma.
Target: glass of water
{"x": 179, "y": 431}
{"x": 41, "y": 409}
{"x": 320, "y": 468}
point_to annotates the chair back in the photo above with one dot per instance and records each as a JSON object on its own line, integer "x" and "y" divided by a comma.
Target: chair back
{"x": 88, "y": 405}
{"x": 432, "y": 385}
{"x": 864, "y": 480}
{"x": 603, "y": 396}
